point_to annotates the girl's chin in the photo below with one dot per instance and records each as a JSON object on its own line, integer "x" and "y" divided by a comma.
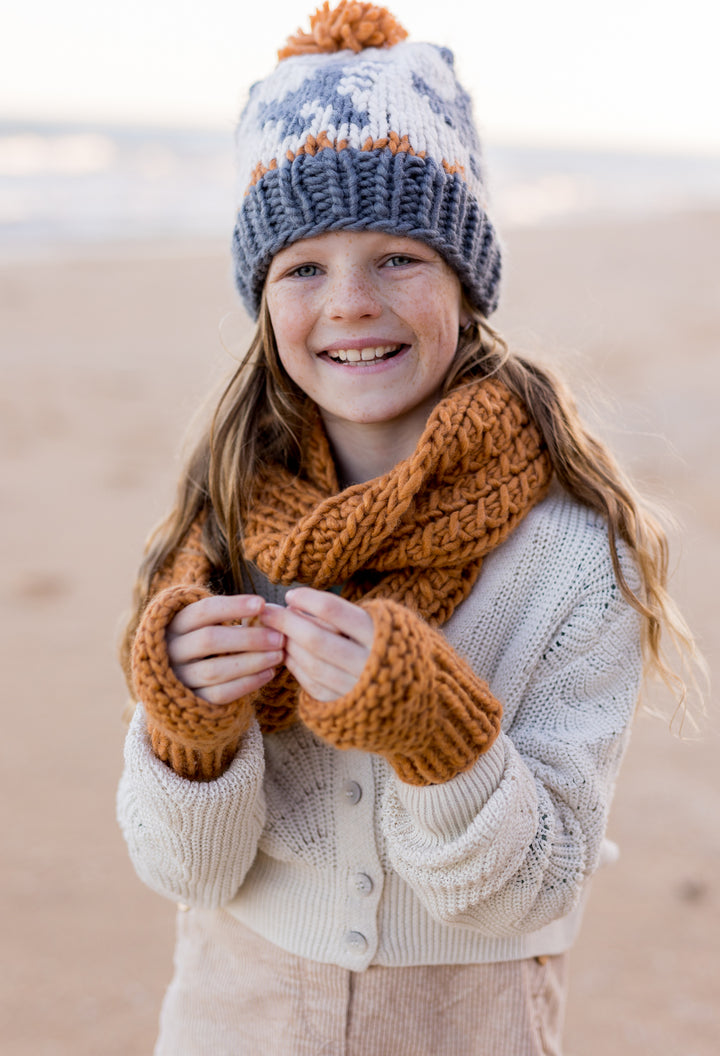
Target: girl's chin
{"x": 375, "y": 413}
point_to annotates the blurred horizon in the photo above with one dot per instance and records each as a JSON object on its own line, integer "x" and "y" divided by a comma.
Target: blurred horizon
{"x": 83, "y": 183}
{"x": 512, "y": 139}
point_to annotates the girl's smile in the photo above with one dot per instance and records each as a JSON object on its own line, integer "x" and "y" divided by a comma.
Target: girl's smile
{"x": 363, "y": 352}
{"x": 366, "y": 323}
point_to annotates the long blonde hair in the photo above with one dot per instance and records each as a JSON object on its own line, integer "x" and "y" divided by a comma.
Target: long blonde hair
{"x": 261, "y": 418}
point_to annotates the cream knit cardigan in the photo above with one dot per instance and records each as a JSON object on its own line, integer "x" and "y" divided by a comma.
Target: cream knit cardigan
{"x": 328, "y": 855}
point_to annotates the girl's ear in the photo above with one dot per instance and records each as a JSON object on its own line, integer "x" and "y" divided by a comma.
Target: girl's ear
{"x": 466, "y": 315}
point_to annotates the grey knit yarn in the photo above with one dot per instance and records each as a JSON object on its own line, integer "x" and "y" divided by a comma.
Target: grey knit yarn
{"x": 381, "y": 140}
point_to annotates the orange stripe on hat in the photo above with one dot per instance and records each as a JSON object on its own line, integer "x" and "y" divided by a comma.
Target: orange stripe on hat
{"x": 393, "y": 142}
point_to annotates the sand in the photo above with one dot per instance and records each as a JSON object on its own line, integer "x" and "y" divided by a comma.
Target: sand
{"x": 105, "y": 353}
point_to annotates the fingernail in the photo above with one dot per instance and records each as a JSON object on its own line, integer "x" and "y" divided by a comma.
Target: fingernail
{"x": 255, "y": 604}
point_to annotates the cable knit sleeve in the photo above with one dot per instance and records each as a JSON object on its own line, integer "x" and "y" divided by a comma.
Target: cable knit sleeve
{"x": 191, "y": 841}
{"x": 508, "y": 845}
{"x": 416, "y": 703}
{"x": 197, "y": 739}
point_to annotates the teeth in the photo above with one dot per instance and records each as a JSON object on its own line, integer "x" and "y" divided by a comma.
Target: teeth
{"x": 358, "y": 355}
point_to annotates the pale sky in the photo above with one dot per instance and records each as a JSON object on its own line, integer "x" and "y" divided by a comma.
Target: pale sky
{"x": 626, "y": 73}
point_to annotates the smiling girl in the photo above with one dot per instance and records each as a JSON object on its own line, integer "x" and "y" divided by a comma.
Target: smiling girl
{"x": 387, "y": 646}
{"x": 367, "y": 326}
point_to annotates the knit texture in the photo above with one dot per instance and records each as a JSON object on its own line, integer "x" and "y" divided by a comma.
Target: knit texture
{"x": 418, "y": 533}
{"x": 197, "y": 739}
{"x": 350, "y": 25}
{"x": 416, "y": 703}
{"x": 416, "y": 536}
{"x": 358, "y": 129}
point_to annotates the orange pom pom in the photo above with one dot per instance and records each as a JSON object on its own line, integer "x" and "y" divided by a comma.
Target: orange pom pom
{"x": 350, "y": 25}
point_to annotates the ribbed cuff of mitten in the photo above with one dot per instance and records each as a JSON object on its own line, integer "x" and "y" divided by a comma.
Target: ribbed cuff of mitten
{"x": 197, "y": 739}
{"x": 416, "y": 703}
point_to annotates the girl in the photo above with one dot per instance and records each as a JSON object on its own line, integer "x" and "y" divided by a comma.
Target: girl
{"x": 388, "y": 644}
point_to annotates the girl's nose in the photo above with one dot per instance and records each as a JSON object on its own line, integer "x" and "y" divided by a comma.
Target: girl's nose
{"x": 351, "y": 295}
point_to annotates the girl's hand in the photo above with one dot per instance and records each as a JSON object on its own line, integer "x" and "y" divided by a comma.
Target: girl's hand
{"x": 328, "y": 640}
{"x": 221, "y": 663}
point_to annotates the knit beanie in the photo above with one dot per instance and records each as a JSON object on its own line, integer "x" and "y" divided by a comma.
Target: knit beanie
{"x": 358, "y": 129}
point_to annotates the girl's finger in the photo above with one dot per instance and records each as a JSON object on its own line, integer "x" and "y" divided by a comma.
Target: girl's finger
{"x": 227, "y": 692}
{"x": 221, "y": 608}
{"x": 216, "y": 640}
{"x": 317, "y": 677}
{"x": 346, "y": 617}
{"x": 346, "y": 653}
{"x": 220, "y": 669}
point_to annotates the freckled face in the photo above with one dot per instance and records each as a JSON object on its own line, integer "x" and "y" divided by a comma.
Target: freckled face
{"x": 366, "y": 323}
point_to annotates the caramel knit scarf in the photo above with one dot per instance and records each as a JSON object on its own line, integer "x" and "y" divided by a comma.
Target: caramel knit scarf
{"x": 419, "y": 533}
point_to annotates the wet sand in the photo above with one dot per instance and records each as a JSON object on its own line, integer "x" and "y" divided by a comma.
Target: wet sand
{"x": 105, "y": 354}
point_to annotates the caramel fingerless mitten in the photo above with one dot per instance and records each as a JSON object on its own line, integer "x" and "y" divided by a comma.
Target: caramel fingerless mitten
{"x": 197, "y": 739}
{"x": 416, "y": 703}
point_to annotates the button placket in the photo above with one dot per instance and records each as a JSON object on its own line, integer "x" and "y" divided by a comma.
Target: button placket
{"x": 358, "y": 859}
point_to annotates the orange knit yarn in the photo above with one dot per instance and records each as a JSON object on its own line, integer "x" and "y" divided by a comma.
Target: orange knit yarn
{"x": 393, "y": 142}
{"x": 408, "y": 546}
{"x": 198, "y": 740}
{"x": 419, "y": 533}
{"x": 416, "y": 702}
{"x": 350, "y": 25}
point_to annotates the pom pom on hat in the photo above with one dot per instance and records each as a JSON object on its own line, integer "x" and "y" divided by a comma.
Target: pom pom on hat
{"x": 358, "y": 129}
{"x": 350, "y": 26}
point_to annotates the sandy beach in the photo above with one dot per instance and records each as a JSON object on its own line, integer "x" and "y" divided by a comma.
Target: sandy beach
{"x": 105, "y": 355}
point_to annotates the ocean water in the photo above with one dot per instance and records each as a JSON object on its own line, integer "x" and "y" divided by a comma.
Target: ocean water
{"x": 79, "y": 185}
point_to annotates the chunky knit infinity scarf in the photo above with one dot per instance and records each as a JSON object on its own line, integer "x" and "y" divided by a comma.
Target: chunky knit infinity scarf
{"x": 419, "y": 533}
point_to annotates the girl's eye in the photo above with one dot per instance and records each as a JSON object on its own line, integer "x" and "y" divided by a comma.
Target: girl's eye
{"x": 399, "y": 260}
{"x": 305, "y": 271}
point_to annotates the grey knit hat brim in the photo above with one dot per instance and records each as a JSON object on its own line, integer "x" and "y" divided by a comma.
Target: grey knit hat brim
{"x": 373, "y": 190}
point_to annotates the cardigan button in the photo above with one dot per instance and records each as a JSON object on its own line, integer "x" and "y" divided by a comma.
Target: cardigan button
{"x": 352, "y": 792}
{"x": 362, "y": 883}
{"x": 356, "y": 941}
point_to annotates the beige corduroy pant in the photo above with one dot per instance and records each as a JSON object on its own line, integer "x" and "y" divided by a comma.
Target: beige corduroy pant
{"x": 235, "y": 994}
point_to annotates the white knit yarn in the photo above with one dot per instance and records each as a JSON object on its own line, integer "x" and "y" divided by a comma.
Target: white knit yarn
{"x": 490, "y": 866}
{"x": 382, "y": 84}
